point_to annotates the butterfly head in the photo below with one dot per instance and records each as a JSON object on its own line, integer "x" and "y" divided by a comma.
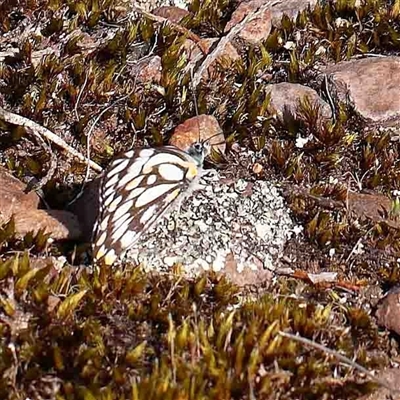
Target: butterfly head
{"x": 199, "y": 151}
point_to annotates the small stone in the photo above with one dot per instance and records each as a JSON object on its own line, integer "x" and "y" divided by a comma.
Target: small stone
{"x": 52, "y": 302}
{"x": 364, "y": 81}
{"x": 12, "y": 197}
{"x": 373, "y": 206}
{"x": 255, "y": 31}
{"x": 388, "y": 311}
{"x": 208, "y": 249}
{"x": 258, "y": 29}
{"x": 290, "y": 8}
{"x": 286, "y": 98}
{"x": 198, "y": 128}
{"x": 391, "y": 377}
{"x": 257, "y": 168}
{"x": 148, "y": 70}
{"x": 60, "y": 224}
{"x": 23, "y": 206}
{"x": 195, "y": 52}
{"x": 171, "y": 13}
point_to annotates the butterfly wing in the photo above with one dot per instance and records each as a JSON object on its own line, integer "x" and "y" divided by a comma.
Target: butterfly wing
{"x": 136, "y": 190}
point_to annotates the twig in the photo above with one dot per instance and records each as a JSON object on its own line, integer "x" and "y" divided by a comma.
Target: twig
{"x": 366, "y": 55}
{"x": 40, "y": 132}
{"x": 80, "y": 95}
{"x": 88, "y": 136}
{"x": 339, "y": 356}
{"x": 328, "y": 95}
{"x": 226, "y": 39}
{"x": 177, "y": 27}
{"x": 359, "y": 241}
{"x": 321, "y": 201}
{"x": 195, "y": 104}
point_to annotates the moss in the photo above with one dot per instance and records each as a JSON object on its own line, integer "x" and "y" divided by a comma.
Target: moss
{"x": 177, "y": 338}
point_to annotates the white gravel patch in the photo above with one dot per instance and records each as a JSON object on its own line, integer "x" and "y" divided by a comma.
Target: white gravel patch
{"x": 248, "y": 221}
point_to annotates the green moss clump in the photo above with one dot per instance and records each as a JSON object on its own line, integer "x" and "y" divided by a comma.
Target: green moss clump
{"x": 119, "y": 332}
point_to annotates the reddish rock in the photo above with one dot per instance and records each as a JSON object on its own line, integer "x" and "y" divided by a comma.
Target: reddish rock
{"x": 148, "y": 70}
{"x": 256, "y": 30}
{"x": 286, "y": 97}
{"x": 27, "y": 216}
{"x": 375, "y": 207}
{"x": 246, "y": 276}
{"x": 60, "y": 224}
{"x": 392, "y": 378}
{"x": 52, "y": 303}
{"x": 12, "y": 196}
{"x": 290, "y": 8}
{"x": 171, "y": 13}
{"x": 259, "y": 28}
{"x": 201, "y": 127}
{"x": 194, "y": 52}
{"x": 388, "y": 311}
{"x": 372, "y": 86}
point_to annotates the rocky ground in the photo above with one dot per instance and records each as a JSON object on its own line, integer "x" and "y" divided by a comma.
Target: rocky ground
{"x": 280, "y": 278}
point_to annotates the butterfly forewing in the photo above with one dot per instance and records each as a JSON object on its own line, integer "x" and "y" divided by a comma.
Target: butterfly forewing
{"x": 136, "y": 190}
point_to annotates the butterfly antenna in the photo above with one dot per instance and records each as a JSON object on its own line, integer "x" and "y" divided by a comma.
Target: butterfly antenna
{"x": 195, "y": 101}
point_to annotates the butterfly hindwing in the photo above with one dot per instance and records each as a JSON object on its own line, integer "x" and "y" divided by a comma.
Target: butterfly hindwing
{"x": 136, "y": 190}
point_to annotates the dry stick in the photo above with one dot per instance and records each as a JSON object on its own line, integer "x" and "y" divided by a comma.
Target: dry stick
{"x": 88, "y": 136}
{"x": 339, "y": 356}
{"x": 195, "y": 104}
{"x": 80, "y": 95}
{"x": 177, "y": 27}
{"x": 40, "y": 132}
{"x": 328, "y": 95}
{"x": 226, "y": 39}
{"x": 359, "y": 241}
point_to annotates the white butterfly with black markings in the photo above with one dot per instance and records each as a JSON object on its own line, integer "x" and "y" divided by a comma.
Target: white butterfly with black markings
{"x": 139, "y": 188}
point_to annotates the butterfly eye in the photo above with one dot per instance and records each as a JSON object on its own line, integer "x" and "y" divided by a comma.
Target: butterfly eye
{"x": 198, "y": 147}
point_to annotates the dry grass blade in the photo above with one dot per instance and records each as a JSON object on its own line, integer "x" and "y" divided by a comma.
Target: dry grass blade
{"x": 340, "y": 357}
{"x": 40, "y": 132}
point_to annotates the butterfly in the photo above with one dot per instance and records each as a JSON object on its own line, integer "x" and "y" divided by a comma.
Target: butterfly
{"x": 138, "y": 189}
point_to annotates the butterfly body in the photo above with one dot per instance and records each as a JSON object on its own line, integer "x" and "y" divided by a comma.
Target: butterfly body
{"x": 139, "y": 188}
